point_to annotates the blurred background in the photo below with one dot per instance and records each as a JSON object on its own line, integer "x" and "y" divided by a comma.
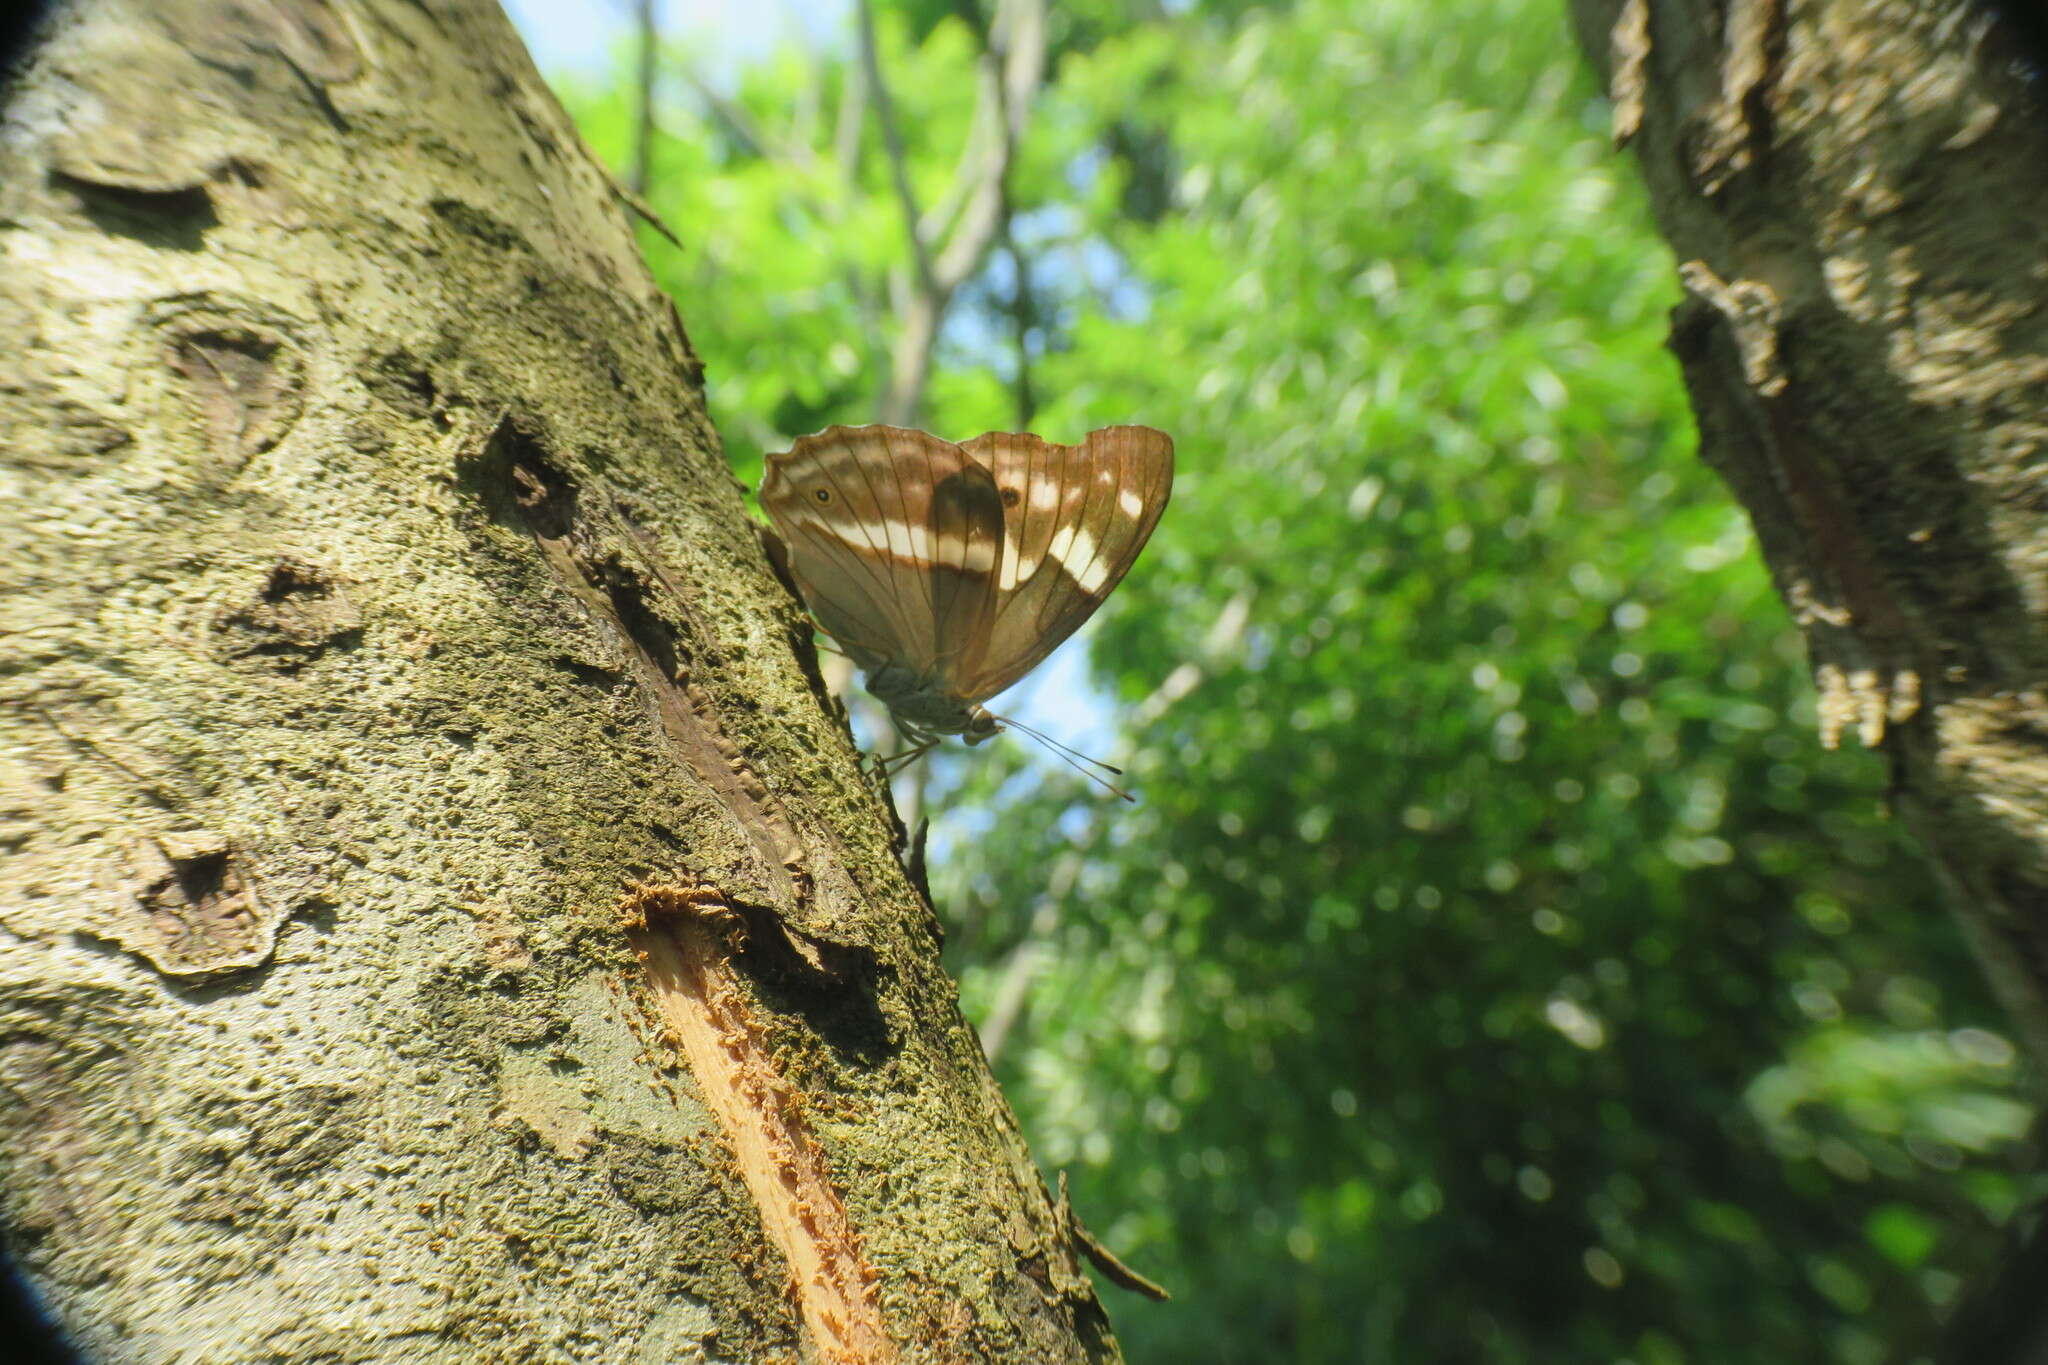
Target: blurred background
{"x": 1494, "y": 966}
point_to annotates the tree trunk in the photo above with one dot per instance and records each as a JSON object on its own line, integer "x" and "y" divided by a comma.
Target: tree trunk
{"x": 1854, "y": 190}
{"x": 443, "y": 920}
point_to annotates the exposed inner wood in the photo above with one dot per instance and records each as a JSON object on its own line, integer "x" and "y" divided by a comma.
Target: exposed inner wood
{"x": 686, "y": 937}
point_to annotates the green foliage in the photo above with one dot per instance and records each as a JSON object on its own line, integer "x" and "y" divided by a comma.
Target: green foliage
{"x": 1495, "y": 967}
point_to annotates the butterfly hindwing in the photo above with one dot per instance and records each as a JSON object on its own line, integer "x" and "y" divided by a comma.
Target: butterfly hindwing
{"x": 1075, "y": 518}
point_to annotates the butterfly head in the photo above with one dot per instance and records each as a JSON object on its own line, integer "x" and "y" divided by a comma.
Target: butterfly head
{"x": 980, "y": 725}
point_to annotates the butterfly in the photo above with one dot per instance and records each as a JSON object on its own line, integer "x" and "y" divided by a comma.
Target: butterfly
{"x": 947, "y": 572}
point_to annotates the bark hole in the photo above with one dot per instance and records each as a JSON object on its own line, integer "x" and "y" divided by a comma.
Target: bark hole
{"x": 544, "y": 495}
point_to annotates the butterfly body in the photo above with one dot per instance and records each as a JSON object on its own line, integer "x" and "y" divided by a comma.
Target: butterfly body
{"x": 947, "y": 572}
{"x": 925, "y": 706}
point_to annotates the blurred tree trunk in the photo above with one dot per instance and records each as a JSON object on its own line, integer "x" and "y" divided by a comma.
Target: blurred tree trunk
{"x": 647, "y": 38}
{"x": 1853, "y": 189}
{"x": 442, "y": 917}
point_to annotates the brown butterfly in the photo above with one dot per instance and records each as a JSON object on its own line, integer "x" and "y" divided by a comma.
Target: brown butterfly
{"x": 946, "y": 571}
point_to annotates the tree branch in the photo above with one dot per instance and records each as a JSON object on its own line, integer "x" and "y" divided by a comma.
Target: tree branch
{"x": 741, "y": 125}
{"x": 643, "y": 133}
{"x": 939, "y": 218}
{"x": 846, "y": 133}
{"x": 1012, "y": 65}
{"x": 892, "y": 144}
{"x": 1021, "y": 317}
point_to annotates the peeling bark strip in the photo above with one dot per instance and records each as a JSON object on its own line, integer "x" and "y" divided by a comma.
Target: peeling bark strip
{"x": 1630, "y": 54}
{"x": 1737, "y": 126}
{"x": 686, "y": 938}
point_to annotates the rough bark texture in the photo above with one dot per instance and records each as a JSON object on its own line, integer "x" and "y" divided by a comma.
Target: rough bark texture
{"x": 1854, "y": 191}
{"x": 441, "y": 918}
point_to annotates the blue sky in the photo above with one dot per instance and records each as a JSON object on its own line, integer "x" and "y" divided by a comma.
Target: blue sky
{"x": 577, "y": 35}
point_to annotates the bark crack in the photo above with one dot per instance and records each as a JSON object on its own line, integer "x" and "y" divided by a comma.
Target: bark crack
{"x": 631, "y": 595}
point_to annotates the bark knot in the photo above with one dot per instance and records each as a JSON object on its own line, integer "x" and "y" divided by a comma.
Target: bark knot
{"x": 193, "y": 911}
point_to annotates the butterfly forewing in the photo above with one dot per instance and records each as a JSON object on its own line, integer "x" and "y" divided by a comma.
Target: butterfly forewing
{"x": 966, "y": 524}
{"x": 855, "y": 506}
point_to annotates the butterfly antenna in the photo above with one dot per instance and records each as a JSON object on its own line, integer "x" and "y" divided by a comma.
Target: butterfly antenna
{"x": 1052, "y": 743}
{"x": 1068, "y": 756}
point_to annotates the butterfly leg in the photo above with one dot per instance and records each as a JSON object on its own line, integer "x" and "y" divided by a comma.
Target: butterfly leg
{"x": 921, "y": 740}
{"x": 896, "y": 763}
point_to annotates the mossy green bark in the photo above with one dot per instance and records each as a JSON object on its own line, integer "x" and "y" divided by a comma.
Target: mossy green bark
{"x": 378, "y": 608}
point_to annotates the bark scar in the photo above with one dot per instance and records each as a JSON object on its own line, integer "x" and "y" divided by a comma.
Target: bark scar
{"x": 301, "y": 612}
{"x": 631, "y": 593}
{"x": 687, "y": 937}
{"x": 193, "y": 910}
{"x": 249, "y": 384}
{"x": 1838, "y": 595}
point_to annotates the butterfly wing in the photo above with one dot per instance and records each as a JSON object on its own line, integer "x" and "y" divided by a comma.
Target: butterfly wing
{"x": 892, "y": 537}
{"x": 1074, "y": 519}
{"x": 966, "y": 523}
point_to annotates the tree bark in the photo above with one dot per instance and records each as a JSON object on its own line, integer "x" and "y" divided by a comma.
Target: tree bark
{"x": 442, "y": 917}
{"x": 1852, "y": 189}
